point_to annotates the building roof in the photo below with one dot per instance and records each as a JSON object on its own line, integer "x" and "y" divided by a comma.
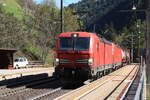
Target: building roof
{"x": 7, "y": 50}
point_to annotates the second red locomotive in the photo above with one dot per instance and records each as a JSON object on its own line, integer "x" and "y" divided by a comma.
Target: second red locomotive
{"x": 83, "y": 55}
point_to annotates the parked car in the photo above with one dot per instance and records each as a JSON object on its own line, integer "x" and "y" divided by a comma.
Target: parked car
{"x": 21, "y": 63}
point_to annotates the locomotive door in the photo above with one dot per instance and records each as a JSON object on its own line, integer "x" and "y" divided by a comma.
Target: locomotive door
{"x": 97, "y": 51}
{"x": 113, "y": 47}
{"x": 101, "y": 54}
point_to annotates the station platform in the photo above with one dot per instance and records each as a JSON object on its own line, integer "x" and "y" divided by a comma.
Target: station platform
{"x": 14, "y": 73}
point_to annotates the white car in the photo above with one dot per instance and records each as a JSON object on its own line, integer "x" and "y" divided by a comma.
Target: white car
{"x": 20, "y": 63}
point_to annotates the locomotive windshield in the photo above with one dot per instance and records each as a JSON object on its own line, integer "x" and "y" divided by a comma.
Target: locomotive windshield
{"x": 77, "y": 44}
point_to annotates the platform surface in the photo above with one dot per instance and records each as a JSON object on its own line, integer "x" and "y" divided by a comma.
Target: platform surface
{"x": 109, "y": 87}
{"x": 13, "y": 73}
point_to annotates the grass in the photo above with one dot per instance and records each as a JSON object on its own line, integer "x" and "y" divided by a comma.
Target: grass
{"x": 11, "y": 6}
{"x": 148, "y": 98}
{"x": 148, "y": 93}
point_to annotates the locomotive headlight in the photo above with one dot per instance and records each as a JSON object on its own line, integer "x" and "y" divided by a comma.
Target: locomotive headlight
{"x": 57, "y": 61}
{"x": 74, "y": 35}
{"x": 90, "y": 61}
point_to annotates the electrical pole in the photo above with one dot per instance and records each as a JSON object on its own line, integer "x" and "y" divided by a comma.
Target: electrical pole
{"x": 62, "y": 17}
{"x": 132, "y": 49}
{"x": 148, "y": 50}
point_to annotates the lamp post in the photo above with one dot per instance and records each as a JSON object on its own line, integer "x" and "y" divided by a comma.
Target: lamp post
{"x": 139, "y": 37}
{"x": 134, "y": 9}
{"x": 132, "y": 49}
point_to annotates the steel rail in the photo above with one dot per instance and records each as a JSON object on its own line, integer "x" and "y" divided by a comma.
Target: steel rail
{"x": 22, "y": 82}
{"x": 24, "y": 88}
{"x": 45, "y": 94}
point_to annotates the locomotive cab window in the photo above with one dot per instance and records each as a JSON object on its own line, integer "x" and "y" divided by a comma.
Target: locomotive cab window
{"x": 66, "y": 43}
{"x": 77, "y": 44}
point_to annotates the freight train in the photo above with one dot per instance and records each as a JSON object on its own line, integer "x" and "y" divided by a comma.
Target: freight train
{"x": 84, "y": 55}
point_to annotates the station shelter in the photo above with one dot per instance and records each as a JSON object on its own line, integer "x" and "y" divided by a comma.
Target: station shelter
{"x": 6, "y": 58}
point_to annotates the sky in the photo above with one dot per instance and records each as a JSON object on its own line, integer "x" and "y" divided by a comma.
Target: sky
{"x": 66, "y": 2}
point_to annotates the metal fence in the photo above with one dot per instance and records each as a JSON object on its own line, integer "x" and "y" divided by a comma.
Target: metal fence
{"x": 141, "y": 89}
{"x": 140, "y": 93}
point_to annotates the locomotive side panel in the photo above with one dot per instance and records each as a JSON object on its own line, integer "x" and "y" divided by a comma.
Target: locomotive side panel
{"x": 108, "y": 56}
{"x": 102, "y": 54}
{"x": 117, "y": 56}
{"x": 98, "y": 53}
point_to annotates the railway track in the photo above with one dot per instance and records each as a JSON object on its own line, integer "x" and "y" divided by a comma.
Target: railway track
{"x": 45, "y": 94}
{"x": 16, "y": 90}
{"x": 46, "y": 90}
{"x": 39, "y": 90}
{"x": 49, "y": 89}
{"x": 17, "y": 82}
{"x": 32, "y": 87}
{"x": 50, "y": 95}
{"x": 110, "y": 87}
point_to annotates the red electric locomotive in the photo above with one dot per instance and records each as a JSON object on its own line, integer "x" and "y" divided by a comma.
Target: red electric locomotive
{"x": 83, "y": 55}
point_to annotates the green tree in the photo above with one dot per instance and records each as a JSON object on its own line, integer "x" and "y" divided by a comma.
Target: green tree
{"x": 70, "y": 21}
{"x": 135, "y": 32}
{"x": 109, "y": 33}
{"x": 12, "y": 31}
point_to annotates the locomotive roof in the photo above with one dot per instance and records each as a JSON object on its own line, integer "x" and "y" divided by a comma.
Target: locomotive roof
{"x": 82, "y": 34}
{"x": 106, "y": 41}
{"x": 87, "y": 34}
